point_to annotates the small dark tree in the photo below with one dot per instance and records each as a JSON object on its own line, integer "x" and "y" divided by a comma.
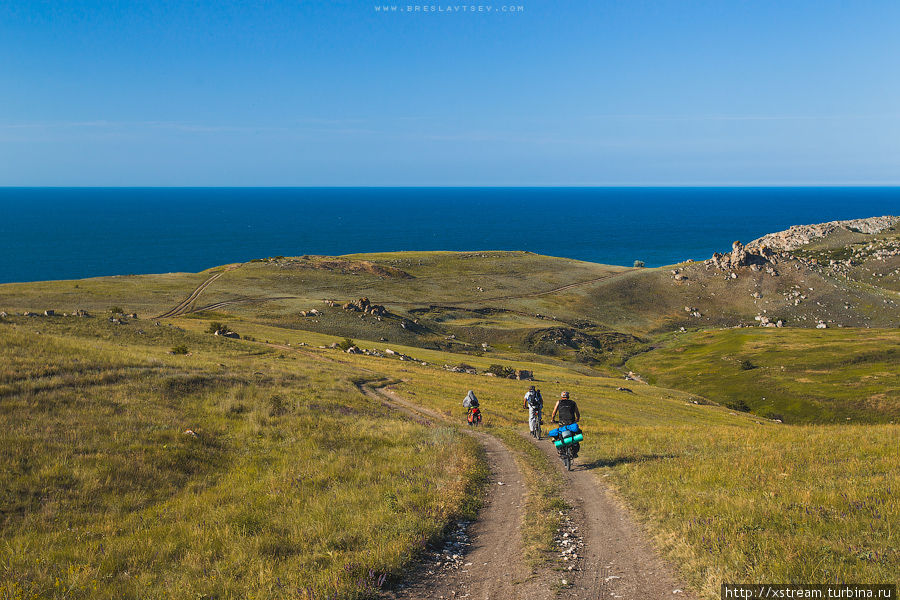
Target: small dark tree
{"x": 501, "y": 371}
{"x": 345, "y": 344}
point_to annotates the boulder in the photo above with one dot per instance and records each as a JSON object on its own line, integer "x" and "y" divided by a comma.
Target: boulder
{"x": 738, "y": 256}
{"x": 523, "y": 375}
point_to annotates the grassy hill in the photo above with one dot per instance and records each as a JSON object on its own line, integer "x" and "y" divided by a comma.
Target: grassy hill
{"x": 794, "y": 375}
{"x": 146, "y": 457}
{"x": 233, "y": 471}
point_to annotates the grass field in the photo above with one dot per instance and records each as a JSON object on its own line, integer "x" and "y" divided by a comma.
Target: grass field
{"x": 796, "y": 375}
{"x": 294, "y": 484}
{"x": 291, "y": 485}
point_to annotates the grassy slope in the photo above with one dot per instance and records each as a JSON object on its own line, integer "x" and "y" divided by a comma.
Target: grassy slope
{"x": 798, "y": 375}
{"x": 728, "y": 497}
{"x": 811, "y": 502}
{"x": 294, "y": 482}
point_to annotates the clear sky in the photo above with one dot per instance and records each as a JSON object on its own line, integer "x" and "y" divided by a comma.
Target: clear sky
{"x": 563, "y": 92}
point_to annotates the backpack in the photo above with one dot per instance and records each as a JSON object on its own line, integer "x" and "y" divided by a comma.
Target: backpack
{"x": 535, "y": 400}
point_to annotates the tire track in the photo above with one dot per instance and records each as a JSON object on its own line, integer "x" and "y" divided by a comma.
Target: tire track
{"x": 181, "y": 308}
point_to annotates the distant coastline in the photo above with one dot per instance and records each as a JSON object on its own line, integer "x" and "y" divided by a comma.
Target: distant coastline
{"x": 69, "y": 233}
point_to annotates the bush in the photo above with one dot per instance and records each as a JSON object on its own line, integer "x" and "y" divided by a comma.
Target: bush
{"x": 116, "y": 310}
{"x": 181, "y": 349}
{"x": 638, "y": 264}
{"x": 738, "y": 405}
{"x": 345, "y": 344}
{"x": 746, "y": 365}
{"x": 501, "y": 371}
{"x": 216, "y": 326}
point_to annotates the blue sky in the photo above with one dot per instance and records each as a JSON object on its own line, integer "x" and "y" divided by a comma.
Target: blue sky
{"x": 565, "y": 92}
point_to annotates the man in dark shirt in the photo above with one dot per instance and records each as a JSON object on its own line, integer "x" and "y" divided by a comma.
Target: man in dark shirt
{"x": 566, "y": 409}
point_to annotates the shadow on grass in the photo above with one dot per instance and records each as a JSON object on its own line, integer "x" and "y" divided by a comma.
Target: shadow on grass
{"x": 622, "y": 460}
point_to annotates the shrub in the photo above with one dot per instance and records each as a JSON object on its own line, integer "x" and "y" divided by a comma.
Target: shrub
{"x": 501, "y": 371}
{"x": 638, "y": 264}
{"x": 345, "y": 344}
{"x": 746, "y": 365}
{"x": 180, "y": 349}
{"x": 216, "y": 326}
{"x": 738, "y": 405}
{"x": 116, "y": 310}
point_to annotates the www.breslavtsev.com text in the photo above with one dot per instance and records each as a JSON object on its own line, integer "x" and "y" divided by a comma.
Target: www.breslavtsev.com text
{"x": 450, "y": 8}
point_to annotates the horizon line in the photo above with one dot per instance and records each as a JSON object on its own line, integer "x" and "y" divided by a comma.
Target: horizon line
{"x": 473, "y": 186}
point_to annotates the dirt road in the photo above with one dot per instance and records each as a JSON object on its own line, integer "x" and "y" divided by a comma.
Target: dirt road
{"x": 618, "y": 560}
{"x": 615, "y": 561}
{"x": 492, "y": 568}
{"x": 185, "y": 304}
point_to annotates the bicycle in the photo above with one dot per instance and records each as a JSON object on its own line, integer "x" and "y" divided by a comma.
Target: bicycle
{"x": 566, "y": 439}
{"x": 534, "y": 423}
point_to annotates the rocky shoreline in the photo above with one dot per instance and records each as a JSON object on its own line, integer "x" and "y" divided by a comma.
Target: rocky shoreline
{"x": 800, "y": 235}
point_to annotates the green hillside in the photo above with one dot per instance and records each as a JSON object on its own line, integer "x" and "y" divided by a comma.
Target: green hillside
{"x": 145, "y": 457}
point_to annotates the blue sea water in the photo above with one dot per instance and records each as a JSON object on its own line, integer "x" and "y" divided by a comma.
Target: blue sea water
{"x": 67, "y": 233}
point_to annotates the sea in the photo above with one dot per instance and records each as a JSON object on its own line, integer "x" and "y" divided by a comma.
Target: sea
{"x": 71, "y": 233}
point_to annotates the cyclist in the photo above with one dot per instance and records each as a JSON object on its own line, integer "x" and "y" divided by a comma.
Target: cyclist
{"x": 534, "y": 402}
{"x": 473, "y": 413}
{"x": 567, "y": 411}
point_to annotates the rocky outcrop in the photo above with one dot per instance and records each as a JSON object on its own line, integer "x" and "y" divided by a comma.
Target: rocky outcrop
{"x": 756, "y": 257}
{"x": 365, "y": 306}
{"x": 800, "y": 235}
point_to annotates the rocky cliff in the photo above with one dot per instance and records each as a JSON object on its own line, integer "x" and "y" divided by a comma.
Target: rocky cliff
{"x": 800, "y": 235}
